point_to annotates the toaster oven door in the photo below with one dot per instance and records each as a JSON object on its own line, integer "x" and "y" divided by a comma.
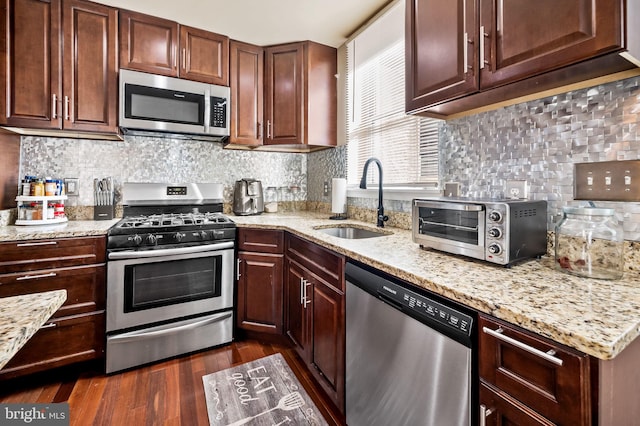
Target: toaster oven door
{"x": 457, "y": 228}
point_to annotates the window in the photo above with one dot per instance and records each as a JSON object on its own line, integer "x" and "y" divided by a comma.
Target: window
{"x": 376, "y": 124}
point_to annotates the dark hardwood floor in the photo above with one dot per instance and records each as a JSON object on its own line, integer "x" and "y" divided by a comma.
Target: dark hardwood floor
{"x": 164, "y": 393}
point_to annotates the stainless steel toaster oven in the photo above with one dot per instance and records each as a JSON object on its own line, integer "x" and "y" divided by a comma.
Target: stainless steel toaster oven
{"x": 497, "y": 231}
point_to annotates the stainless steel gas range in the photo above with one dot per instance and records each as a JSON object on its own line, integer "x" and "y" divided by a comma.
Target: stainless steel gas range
{"x": 169, "y": 274}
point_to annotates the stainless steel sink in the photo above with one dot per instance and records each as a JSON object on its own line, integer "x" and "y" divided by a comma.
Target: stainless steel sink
{"x": 352, "y": 233}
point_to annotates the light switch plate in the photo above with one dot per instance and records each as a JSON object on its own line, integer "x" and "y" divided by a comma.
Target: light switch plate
{"x": 517, "y": 189}
{"x": 607, "y": 181}
{"x": 71, "y": 187}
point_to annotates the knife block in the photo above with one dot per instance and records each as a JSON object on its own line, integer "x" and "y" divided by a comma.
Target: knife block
{"x": 105, "y": 212}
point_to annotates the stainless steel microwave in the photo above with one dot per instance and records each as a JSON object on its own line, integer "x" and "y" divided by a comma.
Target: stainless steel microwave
{"x": 157, "y": 103}
{"x": 497, "y": 231}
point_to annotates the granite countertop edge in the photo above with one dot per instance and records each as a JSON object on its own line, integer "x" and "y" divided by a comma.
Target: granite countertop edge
{"x": 597, "y": 317}
{"x": 22, "y": 316}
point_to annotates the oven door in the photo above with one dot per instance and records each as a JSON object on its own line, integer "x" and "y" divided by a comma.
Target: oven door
{"x": 152, "y": 286}
{"x": 457, "y": 228}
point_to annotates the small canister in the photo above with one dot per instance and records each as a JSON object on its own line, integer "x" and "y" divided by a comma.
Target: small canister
{"x": 50, "y": 187}
{"x": 37, "y": 188}
{"x": 271, "y": 199}
{"x": 589, "y": 242}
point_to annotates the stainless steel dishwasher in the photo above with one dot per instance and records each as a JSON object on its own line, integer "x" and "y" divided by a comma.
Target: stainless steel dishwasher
{"x": 409, "y": 358}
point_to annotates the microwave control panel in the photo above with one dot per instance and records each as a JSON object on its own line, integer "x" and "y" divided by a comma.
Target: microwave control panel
{"x": 218, "y": 112}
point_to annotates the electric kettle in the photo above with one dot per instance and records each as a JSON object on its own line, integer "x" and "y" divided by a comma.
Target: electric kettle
{"x": 248, "y": 197}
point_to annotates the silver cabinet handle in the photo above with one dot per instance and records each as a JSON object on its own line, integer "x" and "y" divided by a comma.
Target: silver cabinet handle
{"x": 483, "y": 61}
{"x": 50, "y": 325}
{"x": 548, "y": 356}
{"x": 301, "y": 291}
{"x": 238, "y": 270}
{"x": 466, "y": 52}
{"x": 66, "y": 107}
{"x": 268, "y": 129}
{"x": 54, "y": 106}
{"x": 306, "y": 299}
{"x": 44, "y": 243}
{"x": 184, "y": 59}
{"x": 33, "y": 277}
{"x": 259, "y": 130}
{"x": 484, "y": 413}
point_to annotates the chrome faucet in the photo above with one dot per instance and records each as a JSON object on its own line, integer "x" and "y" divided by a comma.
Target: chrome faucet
{"x": 363, "y": 185}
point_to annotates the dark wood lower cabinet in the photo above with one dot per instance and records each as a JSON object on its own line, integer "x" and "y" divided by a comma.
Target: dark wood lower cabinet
{"x": 76, "y": 331}
{"x": 59, "y": 342}
{"x": 526, "y": 376}
{"x": 500, "y": 409}
{"x": 315, "y": 312}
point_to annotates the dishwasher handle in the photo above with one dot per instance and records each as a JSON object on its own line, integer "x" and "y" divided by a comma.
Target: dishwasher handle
{"x": 389, "y": 301}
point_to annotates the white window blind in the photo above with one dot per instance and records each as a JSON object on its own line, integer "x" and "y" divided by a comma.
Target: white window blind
{"x": 377, "y": 125}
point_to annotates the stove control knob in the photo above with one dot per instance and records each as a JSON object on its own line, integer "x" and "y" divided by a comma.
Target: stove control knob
{"x": 151, "y": 239}
{"x": 495, "y": 216}
{"x": 494, "y": 248}
{"x": 136, "y": 239}
{"x": 494, "y": 232}
{"x": 204, "y": 235}
{"x": 178, "y": 236}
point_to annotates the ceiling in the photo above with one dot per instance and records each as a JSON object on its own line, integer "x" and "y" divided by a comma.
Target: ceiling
{"x": 264, "y": 22}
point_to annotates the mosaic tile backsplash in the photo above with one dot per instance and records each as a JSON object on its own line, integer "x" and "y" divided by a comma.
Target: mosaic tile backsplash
{"x": 538, "y": 141}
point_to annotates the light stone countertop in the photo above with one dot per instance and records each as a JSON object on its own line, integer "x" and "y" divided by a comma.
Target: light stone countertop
{"x": 22, "y": 316}
{"x": 597, "y": 317}
{"x": 73, "y": 228}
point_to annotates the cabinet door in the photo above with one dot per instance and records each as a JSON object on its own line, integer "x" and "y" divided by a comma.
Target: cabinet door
{"x": 148, "y": 44}
{"x": 525, "y": 38}
{"x": 246, "y": 80}
{"x": 284, "y": 82}
{"x": 328, "y": 338}
{"x": 260, "y": 292}
{"x": 297, "y": 316}
{"x": 30, "y": 64}
{"x": 89, "y": 66}
{"x": 440, "y": 56}
{"x": 204, "y": 56}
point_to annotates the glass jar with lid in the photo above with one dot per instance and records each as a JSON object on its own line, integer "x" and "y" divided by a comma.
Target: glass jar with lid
{"x": 589, "y": 242}
{"x": 271, "y": 199}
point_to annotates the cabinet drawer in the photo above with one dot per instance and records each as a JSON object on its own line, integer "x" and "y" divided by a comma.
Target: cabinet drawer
{"x": 261, "y": 240}
{"x": 560, "y": 393}
{"x": 60, "y": 342}
{"x": 85, "y": 286}
{"x": 326, "y": 264}
{"x": 31, "y": 255}
{"x": 500, "y": 409}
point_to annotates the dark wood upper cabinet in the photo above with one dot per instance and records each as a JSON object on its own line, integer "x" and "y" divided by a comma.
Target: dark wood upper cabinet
{"x": 204, "y": 56}
{"x": 90, "y": 66}
{"x": 472, "y": 53}
{"x": 300, "y": 94}
{"x": 48, "y": 87}
{"x": 160, "y": 46}
{"x": 246, "y": 69}
{"x": 148, "y": 43}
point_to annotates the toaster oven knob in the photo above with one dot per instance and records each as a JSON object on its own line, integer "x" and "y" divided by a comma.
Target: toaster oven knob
{"x": 151, "y": 239}
{"x": 494, "y": 232}
{"x": 495, "y": 216}
{"x": 494, "y": 248}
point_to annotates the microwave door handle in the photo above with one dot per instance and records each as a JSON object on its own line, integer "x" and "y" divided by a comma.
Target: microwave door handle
{"x": 207, "y": 110}
{"x": 443, "y": 205}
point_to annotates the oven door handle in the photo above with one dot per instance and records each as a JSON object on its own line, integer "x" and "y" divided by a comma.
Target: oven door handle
{"x": 443, "y": 205}
{"x": 168, "y": 329}
{"x": 136, "y": 254}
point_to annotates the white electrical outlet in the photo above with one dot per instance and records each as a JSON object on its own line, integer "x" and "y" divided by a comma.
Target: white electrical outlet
{"x": 517, "y": 189}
